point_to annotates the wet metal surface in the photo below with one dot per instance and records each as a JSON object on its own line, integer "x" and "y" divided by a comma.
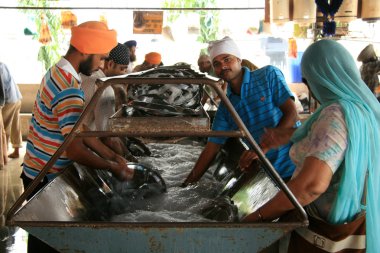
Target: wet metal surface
{"x": 63, "y": 215}
{"x": 76, "y": 221}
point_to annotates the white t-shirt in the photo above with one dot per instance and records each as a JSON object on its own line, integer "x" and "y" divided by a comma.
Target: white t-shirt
{"x": 105, "y": 106}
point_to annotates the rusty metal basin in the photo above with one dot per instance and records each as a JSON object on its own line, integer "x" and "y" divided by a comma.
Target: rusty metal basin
{"x": 63, "y": 215}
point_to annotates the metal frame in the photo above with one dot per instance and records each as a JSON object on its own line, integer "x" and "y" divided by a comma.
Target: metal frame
{"x": 133, "y": 80}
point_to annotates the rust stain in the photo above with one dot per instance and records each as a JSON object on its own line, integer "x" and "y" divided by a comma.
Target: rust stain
{"x": 155, "y": 245}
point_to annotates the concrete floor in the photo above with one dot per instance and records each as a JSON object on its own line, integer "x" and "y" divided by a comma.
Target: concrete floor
{"x": 12, "y": 239}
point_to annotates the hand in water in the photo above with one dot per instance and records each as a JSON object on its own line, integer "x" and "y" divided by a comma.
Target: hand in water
{"x": 191, "y": 179}
{"x": 121, "y": 170}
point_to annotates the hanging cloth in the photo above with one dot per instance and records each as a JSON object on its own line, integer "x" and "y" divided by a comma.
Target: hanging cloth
{"x": 45, "y": 36}
{"x": 292, "y": 48}
{"x": 329, "y": 8}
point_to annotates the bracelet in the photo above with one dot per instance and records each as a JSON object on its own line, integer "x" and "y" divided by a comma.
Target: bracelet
{"x": 260, "y": 215}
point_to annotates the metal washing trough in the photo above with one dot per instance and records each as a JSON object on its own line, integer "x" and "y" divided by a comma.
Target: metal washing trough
{"x": 62, "y": 214}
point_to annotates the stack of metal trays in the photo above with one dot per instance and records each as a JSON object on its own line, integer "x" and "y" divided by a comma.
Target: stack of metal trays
{"x": 161, "y": 106}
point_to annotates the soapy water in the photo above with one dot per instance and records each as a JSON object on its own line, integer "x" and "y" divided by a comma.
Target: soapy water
{"x": 195, "y": 202}
{"x": 178, "y": 204}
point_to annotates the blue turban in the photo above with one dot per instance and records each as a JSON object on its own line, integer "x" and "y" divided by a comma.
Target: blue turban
{"x": 130, "y": 43}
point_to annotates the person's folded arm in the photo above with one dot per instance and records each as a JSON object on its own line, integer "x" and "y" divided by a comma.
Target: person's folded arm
{"x": 290, "y": 115}
{"x": 281, "y": 134}
{"x": 275, "y": 137}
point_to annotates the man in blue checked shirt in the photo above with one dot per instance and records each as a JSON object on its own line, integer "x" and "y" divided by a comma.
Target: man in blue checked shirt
{"x": 263, "y": 101}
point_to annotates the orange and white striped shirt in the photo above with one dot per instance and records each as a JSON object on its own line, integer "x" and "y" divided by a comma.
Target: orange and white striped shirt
{"x": 57, "y": 108}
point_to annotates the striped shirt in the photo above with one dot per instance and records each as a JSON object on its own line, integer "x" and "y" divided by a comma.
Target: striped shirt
{"x": 263, "y": 91}
{"x": 57, "y": 108}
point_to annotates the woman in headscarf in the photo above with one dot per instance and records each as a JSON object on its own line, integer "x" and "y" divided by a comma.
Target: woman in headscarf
{"x": 336, "y": 155}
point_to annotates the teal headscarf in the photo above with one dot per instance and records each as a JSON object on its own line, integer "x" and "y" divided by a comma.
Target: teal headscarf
{"x": 333, "y": 77}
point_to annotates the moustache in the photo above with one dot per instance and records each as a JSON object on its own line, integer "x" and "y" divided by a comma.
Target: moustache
{"x": 224, "y": 70}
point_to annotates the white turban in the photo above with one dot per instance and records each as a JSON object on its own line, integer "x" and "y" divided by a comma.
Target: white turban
{"x": 223, "y": 46}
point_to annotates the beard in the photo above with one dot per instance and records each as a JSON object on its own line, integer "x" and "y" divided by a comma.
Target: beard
{"x": 132, "y": 58}
{"x": 85, "y": 67}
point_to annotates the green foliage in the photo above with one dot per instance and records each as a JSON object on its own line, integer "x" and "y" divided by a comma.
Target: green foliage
{"x": 48, "y": 54}
{"x": 208, "y": 21}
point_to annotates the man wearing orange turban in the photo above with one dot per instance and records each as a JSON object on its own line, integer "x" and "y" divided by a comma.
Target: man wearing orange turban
{"x": 152, "y": 60}
{"x": 58, "y": 106}
{"x": 93, "y": 37}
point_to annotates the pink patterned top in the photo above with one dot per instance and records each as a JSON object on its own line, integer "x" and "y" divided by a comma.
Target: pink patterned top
{"x": 327, "y": 141}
